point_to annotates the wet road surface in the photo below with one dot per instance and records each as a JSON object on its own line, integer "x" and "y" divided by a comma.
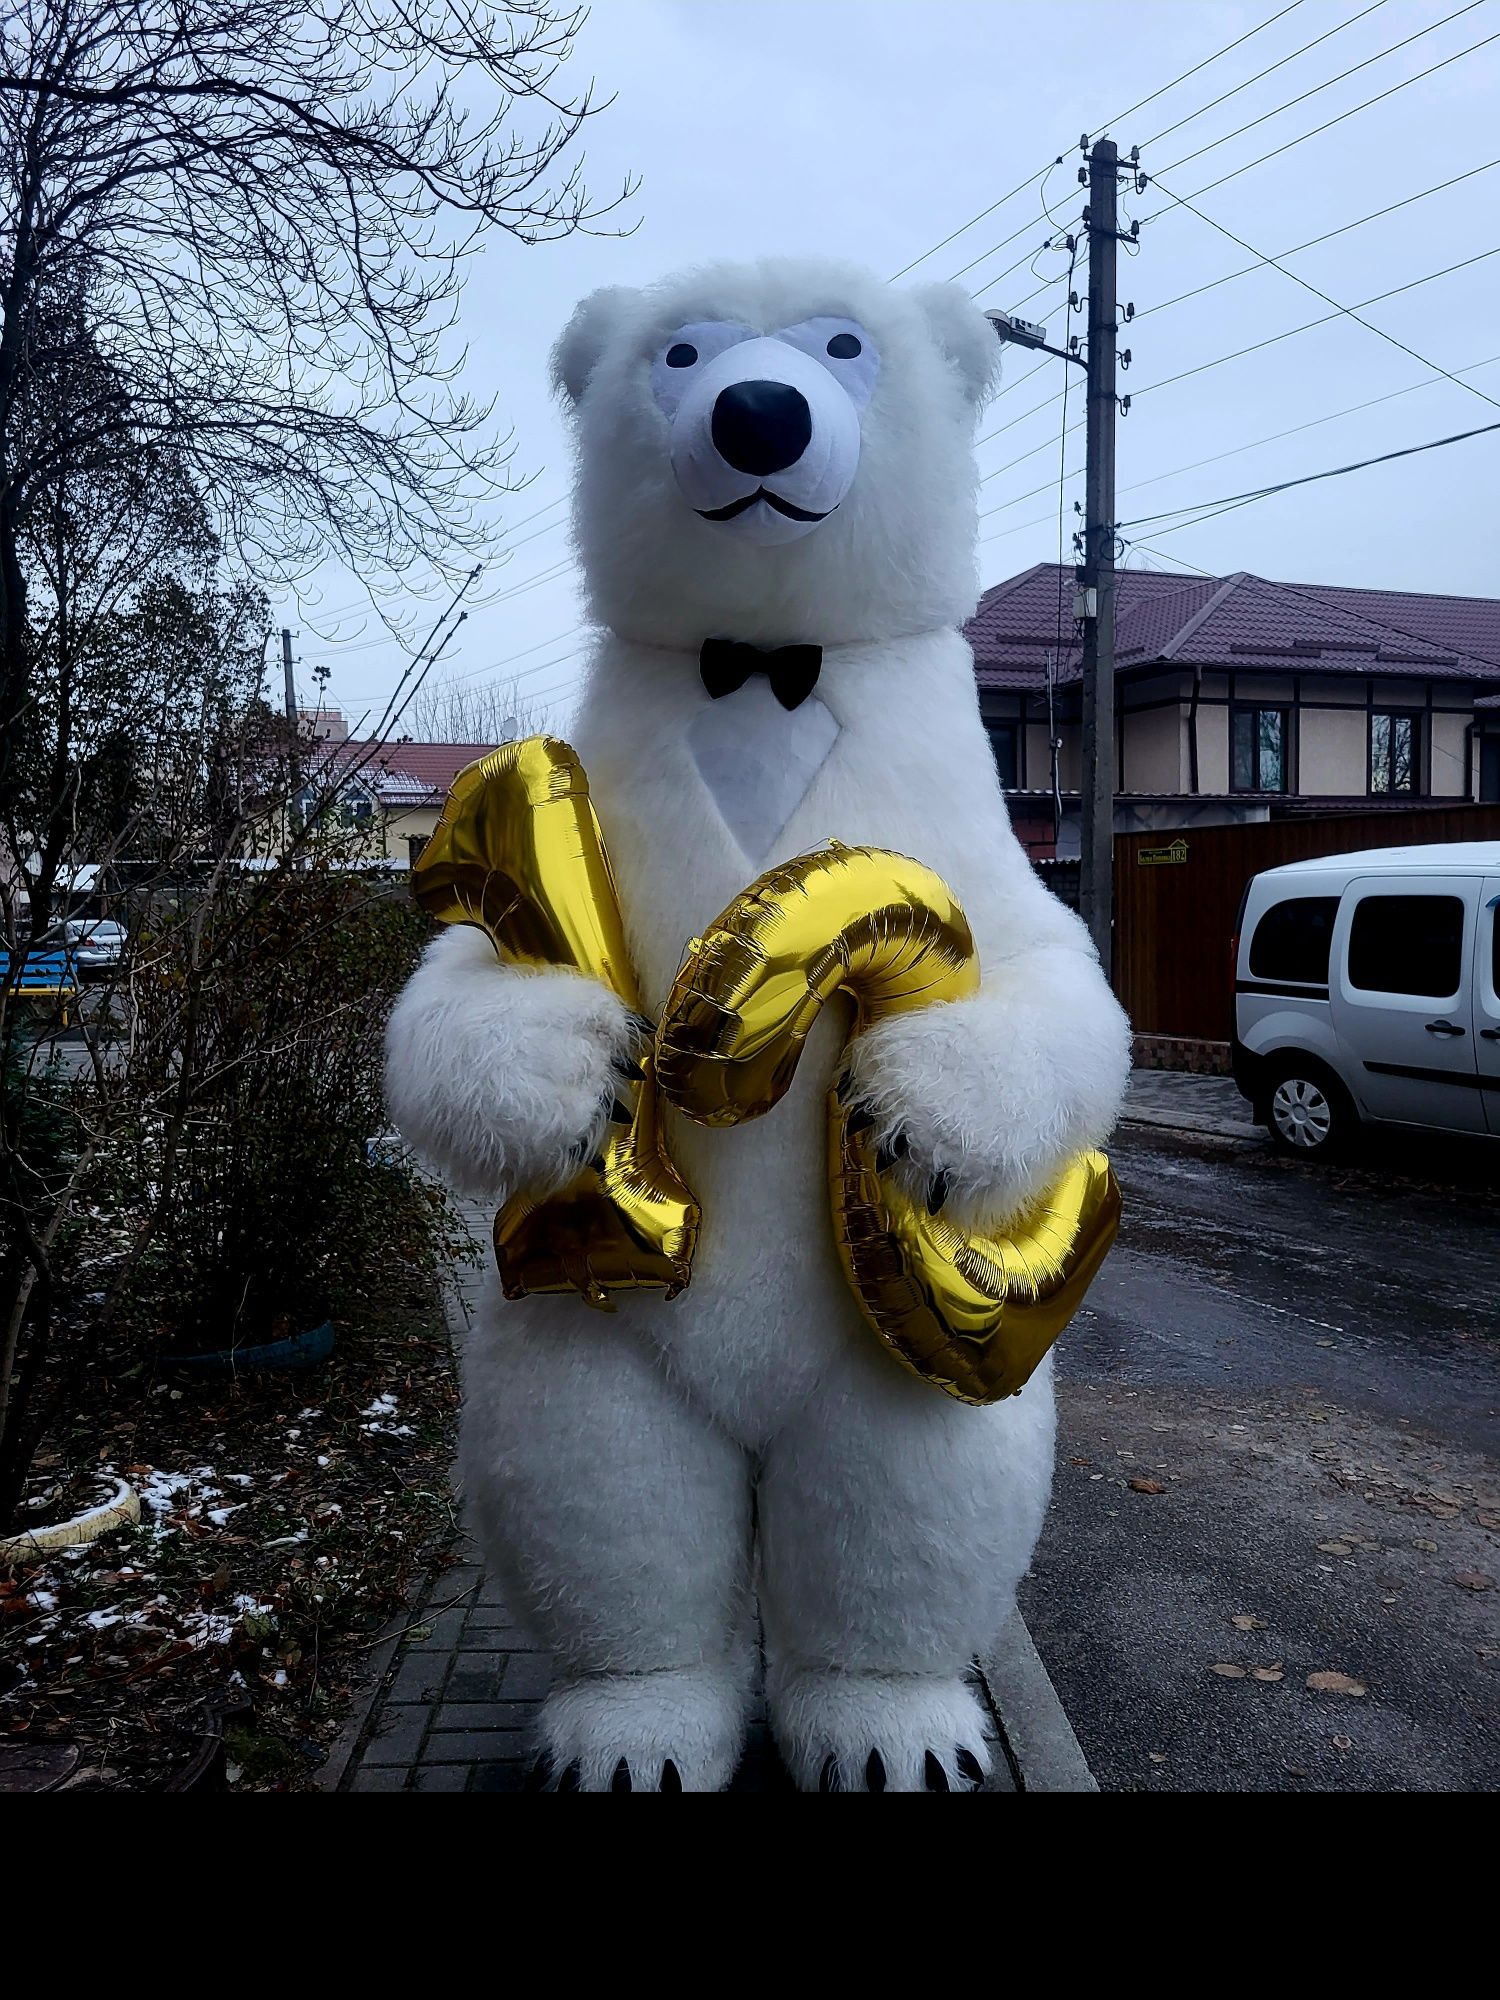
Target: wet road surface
{"x": 1306, "y": 1360}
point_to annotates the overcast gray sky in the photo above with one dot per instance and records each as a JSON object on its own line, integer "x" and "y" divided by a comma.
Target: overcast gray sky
{"x": 872, "y": 129}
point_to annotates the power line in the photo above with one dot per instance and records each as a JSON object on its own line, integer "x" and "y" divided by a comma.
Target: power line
{"x": 1019, "y": 188}
{"x": 1353, "y": 70}
{"x": 1228, "y": 48}
{"x": 1328, "y": 124}
{"x": 1215, "y": 102}
{"x": 1129, "y": 111}
{"x": 1166, "y": 555}
{"x": 550, "y": 575}
{"x": 1000, "y": 429}
{"x": 1275, "y": 152}
{"x": 1328, "y": 299}
{"x": 1235, "y": 451}
{"x": 1312, "y": 241}
{"x": 1006, "y": 387}
{"x": 526, "y": 519}
{"x": 1222, "y": 506}
{"x": 1292, "y": 331}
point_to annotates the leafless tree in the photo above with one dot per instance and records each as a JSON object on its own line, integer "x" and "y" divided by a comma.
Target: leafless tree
{"x": 268, "y": 210}
{"x": 457, "y": 711}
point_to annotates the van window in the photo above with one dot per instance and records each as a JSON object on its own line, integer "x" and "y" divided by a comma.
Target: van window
{"x": 1292, "y": 940}
{"x": 1407, "y": 944}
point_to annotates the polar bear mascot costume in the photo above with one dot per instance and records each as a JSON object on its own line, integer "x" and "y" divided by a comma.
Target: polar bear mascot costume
{"x": 775, "y": 512}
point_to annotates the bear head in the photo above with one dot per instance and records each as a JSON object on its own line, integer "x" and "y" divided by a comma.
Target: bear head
{"x": 778, "y": 452}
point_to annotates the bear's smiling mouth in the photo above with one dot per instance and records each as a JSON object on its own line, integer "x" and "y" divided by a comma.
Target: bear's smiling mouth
{"x": 738, "y": 507}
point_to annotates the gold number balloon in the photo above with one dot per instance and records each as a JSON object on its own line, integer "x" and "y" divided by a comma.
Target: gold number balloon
{"x": 518, "y": 853}
{"x": 969, "y": 1312}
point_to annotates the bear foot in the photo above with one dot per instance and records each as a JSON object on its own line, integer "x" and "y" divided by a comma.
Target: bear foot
{"x": 867, "y": 1732}
{"x": 679, "y": 1729}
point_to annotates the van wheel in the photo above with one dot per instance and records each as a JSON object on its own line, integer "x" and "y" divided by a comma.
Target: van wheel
{"x": 1308, "y": 1113}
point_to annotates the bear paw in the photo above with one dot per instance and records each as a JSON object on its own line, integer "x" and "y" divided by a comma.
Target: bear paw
{"x": 675, "y": 1730}
{"x": 503, "y": 1078}
{"x": 980, "y": 1103}
{"x": 865, "y": 1732}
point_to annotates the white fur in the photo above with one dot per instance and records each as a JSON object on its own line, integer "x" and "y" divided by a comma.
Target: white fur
{"x": 841, "y": 1720}
{"x": 501, "y": 1077}
{"x": 613, "y": 1460}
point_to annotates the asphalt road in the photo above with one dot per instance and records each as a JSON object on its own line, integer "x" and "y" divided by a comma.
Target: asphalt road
{"x": 1307, "y": 1362}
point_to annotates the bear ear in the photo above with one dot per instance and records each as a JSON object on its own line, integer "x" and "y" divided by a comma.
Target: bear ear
{"x": 965, "y": 336}
{"x": 581, "y": 341}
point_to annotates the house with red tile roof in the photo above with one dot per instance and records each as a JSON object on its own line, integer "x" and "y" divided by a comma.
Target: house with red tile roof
{"x": 394, "y": 789}
{"x": 1239, "y": 698}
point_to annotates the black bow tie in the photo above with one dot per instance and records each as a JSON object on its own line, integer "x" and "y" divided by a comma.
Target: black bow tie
{"x": 726, "y": 665}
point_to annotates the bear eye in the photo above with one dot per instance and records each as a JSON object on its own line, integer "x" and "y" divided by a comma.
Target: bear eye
{"x": 683, "y": 355}
{"x": 843, "y": 347}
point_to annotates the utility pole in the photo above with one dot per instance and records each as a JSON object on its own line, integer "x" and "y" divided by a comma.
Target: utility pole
{"x": 293, "y": 724}
{"x": 1097, "y": 579}
{"x": 289, "y": 679}
{"x": 1094, "y": 598}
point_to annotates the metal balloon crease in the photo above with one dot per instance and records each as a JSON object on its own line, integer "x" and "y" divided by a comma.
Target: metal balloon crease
{"x": 518, "y": 853}
{"x": 968, "y": 1311}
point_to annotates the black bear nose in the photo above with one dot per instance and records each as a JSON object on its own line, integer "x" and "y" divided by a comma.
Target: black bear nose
{"x": 761, "y": 427}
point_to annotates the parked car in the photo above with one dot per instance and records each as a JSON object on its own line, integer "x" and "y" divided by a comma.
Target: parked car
{"x": 1367, "y": 990}
{"x": 97, "y": 944}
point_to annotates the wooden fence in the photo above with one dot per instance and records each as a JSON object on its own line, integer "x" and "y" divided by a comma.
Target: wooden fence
{"x": 1177, "y": 896}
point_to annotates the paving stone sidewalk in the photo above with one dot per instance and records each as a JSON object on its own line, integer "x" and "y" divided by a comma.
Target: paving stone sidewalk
{"x": 456, "y": 1691}
{"x": 1207, "y": 1104}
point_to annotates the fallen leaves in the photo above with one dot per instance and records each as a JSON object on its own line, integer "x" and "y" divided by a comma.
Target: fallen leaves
{"x": 1273, "y": 1673}
{"x": 1335, "y": 1549}
{"x": 1246, "y": 1621}
{"x": 1474, "y": 1579}
{"x": 1228, "y": 1672}
{"x": 1146, "y": 1486}
{"x": 1331, "y": 1683}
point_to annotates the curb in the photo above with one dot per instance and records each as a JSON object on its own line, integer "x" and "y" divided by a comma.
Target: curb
{"x": 1038, "y": 1741}
{"x": 350, "y": 1740}
{"x": 1204, "y": 1128}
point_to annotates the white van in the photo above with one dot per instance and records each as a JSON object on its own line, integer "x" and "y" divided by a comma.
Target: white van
{"x": 1367, "y": 989}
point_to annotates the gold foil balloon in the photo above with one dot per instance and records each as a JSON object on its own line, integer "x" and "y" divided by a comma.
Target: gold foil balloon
{"x": 518, "y": 853}
{"x": 972, "y": 1313}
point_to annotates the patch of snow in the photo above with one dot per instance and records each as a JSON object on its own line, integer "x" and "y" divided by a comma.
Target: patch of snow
{"x": 44, "y": 1600}
{"x": 208, "y": 1628}
{"x": 100, "y": 1621}
{"x": 383, "y": 1406}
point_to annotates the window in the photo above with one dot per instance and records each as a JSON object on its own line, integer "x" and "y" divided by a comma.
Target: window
{"x": 1005, "y": 741}
{"x": 1257, "y": 749}
{"x": 1407, "y": 944}
{"x": 355, "y": 810}
{"x": 1489, "y": 767}
{"x": 1292, "y": 940}
{"x": 1394, "y": 743}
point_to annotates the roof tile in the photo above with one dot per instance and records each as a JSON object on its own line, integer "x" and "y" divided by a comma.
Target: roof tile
{"x": 1240, "y": 621}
